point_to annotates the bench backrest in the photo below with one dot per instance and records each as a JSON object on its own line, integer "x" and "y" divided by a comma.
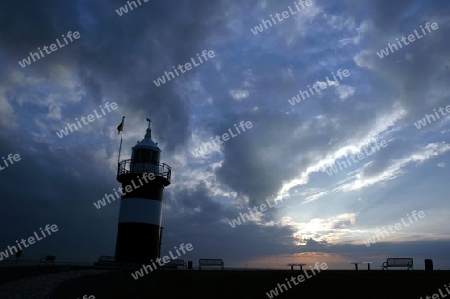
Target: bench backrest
{"x": 176, "y": 264}
{"x": 399, "y": 262}
{"x": 179, "y": 263}
{"x": 210, "y": 262}
{"x": 106, "y": 258}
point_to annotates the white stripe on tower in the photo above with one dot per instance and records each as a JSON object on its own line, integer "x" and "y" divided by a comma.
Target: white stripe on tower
{"x": 140, "y": 210}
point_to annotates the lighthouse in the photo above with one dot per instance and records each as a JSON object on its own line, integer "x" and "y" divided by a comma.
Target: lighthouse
{"x": 139, "y": 230}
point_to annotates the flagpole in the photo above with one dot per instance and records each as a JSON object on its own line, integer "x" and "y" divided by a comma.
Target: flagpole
{"x": 120, "y": 149}
{"x": 120, "y": 130}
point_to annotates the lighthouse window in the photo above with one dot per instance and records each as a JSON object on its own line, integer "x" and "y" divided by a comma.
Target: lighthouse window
{"x": 143, "y": 155}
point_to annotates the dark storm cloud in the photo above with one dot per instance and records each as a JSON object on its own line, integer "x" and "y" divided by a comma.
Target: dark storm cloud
{"x": 117, "y": 56}
{"x": 92, "y": 85}
{"x": 54, "y": 186}
{"x": 26, "y": 26}
{"x": 415, "y": 80}
{"x": 252, "y": 161}
{"x": 387, "y": 13}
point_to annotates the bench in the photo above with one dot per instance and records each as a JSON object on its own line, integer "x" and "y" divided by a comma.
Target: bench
{"x": 398, "y": 262}
{"x": 176, "y": 264}
{"x": 105, "y": 260}
{"x": 48, "y": 260}
{"x": 356, "y": 265}
{"x": 292, "y": 266}
{"x": 210, "y": 263}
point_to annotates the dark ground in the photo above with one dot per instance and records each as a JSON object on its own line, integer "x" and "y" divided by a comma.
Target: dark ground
{"x": 8, "y": 274}
{"x": 254, "y": 284}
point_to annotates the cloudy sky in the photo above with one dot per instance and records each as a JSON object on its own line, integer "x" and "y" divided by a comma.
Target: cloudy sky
{"x": 252, "y": 77}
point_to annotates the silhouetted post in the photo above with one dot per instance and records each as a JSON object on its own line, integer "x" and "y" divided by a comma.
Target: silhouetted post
{"x": 18, "y": 254}
{"x": 428, "y": 265}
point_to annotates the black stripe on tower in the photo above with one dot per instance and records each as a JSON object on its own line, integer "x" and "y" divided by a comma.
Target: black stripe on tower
{"x": 137, "y": 242}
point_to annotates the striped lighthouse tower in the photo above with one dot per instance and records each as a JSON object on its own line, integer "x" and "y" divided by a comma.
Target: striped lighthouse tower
{"x": 139, "y": 231}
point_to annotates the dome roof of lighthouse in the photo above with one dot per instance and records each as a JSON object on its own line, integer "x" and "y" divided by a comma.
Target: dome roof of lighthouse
{"x": 148, "y": 142}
